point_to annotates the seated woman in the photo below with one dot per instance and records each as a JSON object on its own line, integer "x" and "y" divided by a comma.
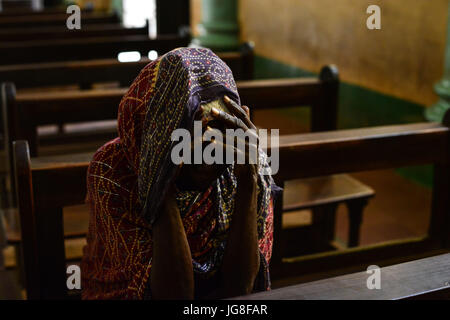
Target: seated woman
{"x": 164, "y": 231}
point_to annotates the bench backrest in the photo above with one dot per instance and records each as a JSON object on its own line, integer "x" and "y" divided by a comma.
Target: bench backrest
{"x": 61, "y": 32}
{"x": 29, "y": 11}
{"x": 85, "y": 73}
{"x": 42, "y": 198}
{"x": 55, "y": 19}
{"x": 85, "y": 48}
{"x": 29, "y": 111}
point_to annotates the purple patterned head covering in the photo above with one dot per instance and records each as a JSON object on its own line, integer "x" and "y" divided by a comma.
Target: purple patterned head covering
{"x": 186, "y": 78}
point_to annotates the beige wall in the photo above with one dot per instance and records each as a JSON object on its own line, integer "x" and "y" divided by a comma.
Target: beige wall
{"x": 404, "y": 59}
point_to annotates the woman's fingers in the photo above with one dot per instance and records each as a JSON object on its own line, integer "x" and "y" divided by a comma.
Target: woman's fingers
{"x": 235, "y": 108}
{"x": 241, "y": 148}
{"x": 242, "y": 112}
{"x": 247, "y": 111}
{"x": 229, "y": 120}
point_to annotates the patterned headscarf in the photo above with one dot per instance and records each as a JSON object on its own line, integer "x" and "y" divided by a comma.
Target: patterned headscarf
{"x": 129, "y": 177}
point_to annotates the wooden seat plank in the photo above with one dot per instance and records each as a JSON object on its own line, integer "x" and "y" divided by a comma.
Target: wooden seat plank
{"x": 312, "y": 192}
{"x": 407, "y": 280}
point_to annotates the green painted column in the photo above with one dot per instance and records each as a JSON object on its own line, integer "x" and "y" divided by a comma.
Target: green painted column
{"x": 117, "y": 7}
{"x": 442, "y": 88}
{"x": 219, "y": 29}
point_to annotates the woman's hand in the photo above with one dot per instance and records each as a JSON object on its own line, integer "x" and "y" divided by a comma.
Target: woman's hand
{"x": 240, "y": 119}
{"x": 241, "y": 260}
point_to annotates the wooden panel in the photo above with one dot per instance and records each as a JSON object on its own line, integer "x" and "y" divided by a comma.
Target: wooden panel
{"x": 412, "y": 279}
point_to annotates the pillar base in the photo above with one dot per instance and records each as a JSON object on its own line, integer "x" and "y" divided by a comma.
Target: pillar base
{"x": 437, "y": 111}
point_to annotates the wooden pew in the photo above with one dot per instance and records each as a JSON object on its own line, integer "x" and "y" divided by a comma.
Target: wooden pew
{"x": 30, "y": 110}
{"x": 28, "y": 11}
{"x": 57, "y": 19}
{"x": 346, "y": 151}
{"x": 421, "y": 279}
{"x": 42, "y": 198}
{"x": 84, "y": 73}
{"x": 85, "y": 49}
{"x": 14, "y": 5}
{"x": 61, "y": 32}
{"x": 319, "y": 93}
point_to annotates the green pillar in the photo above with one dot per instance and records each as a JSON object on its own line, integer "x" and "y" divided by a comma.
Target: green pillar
{"x": 117, "y": 7}
{"x": 219, "y": 29}
{"x": 442, "y": 88}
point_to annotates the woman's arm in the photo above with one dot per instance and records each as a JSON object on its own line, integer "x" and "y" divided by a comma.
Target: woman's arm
{"x": 172, "y": 276}
{"x": 241, "y": 259}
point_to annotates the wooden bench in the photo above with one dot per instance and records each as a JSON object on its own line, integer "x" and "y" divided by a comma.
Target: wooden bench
{"x": 86, "y": 49}
{"x": 346, "y": 151}
{"x": 27, "y": 111}
{"x": 322, "y": 195}
{"x": 32, "y": 110}
{"x": 29, "y": 11}
{"x": 421, "y": 279}
{"x": 61, "y": 32}
{"x": 85, "y": 73}
{"x": 42, "y": 197}
{"x": 14, "y": 5}
{"x": 57, "y": 19}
